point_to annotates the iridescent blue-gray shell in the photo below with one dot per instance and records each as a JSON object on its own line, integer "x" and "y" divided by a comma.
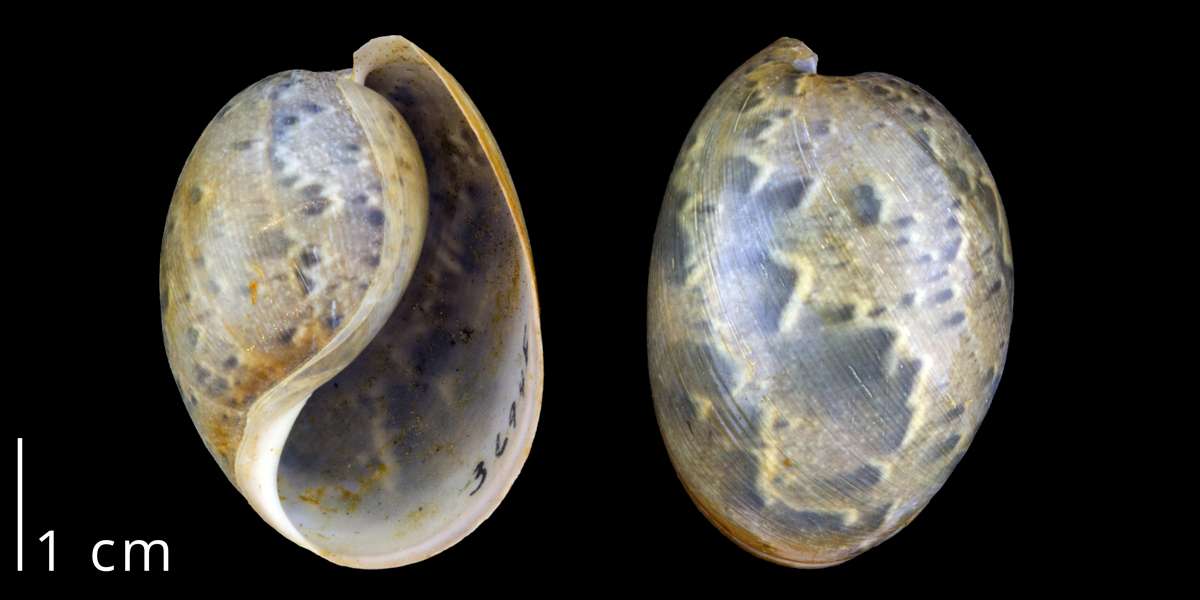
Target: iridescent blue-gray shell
{"x": 349, "y": 309}
{"x": 829, "y": 308}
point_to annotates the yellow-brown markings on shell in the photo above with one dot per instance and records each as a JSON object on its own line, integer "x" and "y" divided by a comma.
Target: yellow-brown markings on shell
{"x": 830, "y": 298}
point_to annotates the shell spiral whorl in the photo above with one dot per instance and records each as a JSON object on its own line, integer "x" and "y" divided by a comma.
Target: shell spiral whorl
{"x": 283, "y": 215}
{"x": 829, "y": 306}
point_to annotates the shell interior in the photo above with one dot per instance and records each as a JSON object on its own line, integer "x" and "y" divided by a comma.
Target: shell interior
{"x": 418, "y": 440}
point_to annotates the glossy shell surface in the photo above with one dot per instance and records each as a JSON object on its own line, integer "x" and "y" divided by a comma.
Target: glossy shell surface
{"x": 831, "y": 294}
{"x": 349, "y": 307}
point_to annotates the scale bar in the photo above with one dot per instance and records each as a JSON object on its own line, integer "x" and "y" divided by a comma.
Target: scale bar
{"x": 20, "y": 504}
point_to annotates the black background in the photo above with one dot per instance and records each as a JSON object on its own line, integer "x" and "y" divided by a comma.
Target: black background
{"x": 590, "y": 112}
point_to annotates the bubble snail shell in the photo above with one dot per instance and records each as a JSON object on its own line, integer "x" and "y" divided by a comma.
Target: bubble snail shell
{"x": 830, "y": 300}
{"x": 371, "y": 421}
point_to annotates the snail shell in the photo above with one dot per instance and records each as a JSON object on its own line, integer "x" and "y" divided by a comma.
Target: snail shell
{"x": 829, "y": 308}
{"x": 371, "y": 421}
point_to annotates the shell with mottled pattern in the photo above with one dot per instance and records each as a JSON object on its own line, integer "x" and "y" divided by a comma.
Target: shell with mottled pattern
{"x": 371, "y": 421}
{"x": 831, "y": 293}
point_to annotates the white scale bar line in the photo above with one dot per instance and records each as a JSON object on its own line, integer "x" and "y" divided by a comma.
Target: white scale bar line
{"x": 20, "y": 505}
